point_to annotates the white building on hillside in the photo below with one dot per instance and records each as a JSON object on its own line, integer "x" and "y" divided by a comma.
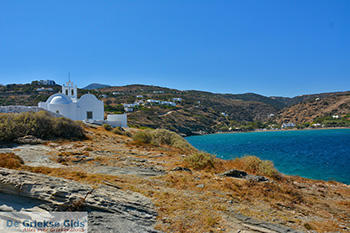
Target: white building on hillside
{"x": 288, "y": 125}
{"x": 116, "y": 120}
{"x": 47, "y": 82}
{"x": 88, "y": 107}
{"x": 177, "y": 99}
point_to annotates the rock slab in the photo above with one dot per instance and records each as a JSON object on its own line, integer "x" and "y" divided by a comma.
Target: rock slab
{"x": 110, "y": 209}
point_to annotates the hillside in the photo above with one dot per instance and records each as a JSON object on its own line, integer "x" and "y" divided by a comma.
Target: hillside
{"x": 317, "y": 107}
{"x": 95, "y": 86}
{"x": 139, "y": 185}
{"x": 25, "y": 94}
{"x": 196, "y": 112}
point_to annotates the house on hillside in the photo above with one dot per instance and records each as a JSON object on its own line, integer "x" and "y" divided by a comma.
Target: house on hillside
{"x": 160, "y": 102}
{"x": 177, "y": 99}
{"x": 43, "y": 89}
{"x": 288, "y": 125}
{"x": 158, "y": 92}
{"x": 316, "y": 125}
{"x": 47, "y": 82}
{"x": 151, "y": 101}
{"x": 130, "y": 107}
{"x": 168, "y": 103}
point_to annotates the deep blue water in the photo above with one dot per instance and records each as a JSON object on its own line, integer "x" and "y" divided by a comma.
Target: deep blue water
{"x": 315, "y": 154}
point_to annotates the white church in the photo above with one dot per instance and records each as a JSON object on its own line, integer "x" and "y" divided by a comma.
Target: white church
{"x": 86, "y": 108}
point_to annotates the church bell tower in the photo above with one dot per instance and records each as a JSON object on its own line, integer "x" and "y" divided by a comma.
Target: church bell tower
{"x": 70, "y": 90}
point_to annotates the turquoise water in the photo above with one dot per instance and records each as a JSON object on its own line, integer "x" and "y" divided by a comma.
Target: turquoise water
{"x": 315, "y": 154}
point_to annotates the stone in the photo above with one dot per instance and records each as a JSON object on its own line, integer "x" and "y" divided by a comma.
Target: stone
{"x": 256, "y": 178}
{"x": 243, "y": 175}
{"x": 29, "y": 139}
{"x": 234, "y": 173}
{"x": 5, "y": 208}
{"x": 110, "y": 209}
{"x": 185, "y": 169}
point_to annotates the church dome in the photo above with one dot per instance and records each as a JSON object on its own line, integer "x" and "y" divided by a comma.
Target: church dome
{"x": 88, "y": 98}
{"x": 60, "y": 99}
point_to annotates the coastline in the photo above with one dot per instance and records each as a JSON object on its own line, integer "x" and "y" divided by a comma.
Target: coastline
{"x": 149, "y": 181}
{"x": 273, "y": 130}
{"x": 230, "y": 152}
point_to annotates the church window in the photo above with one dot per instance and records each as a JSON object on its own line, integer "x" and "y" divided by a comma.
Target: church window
{"x": 72, "y": 92}
{"x": 66, "y": 92}
{"x": 88, "y": 115}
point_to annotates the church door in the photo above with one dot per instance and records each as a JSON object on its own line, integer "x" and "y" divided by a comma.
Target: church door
{"x": 89, "y": 115}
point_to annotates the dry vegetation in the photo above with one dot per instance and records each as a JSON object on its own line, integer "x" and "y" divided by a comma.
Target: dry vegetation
{"x": 40, "y": 125}
{"x": 252, "y": 165}
{"x": 200, "y": 200}
{"x": 200, "y": 160}
{"x": 10, "y": 160}
{"x": 160, "y": 137}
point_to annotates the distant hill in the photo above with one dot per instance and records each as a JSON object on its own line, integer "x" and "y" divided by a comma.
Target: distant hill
{"x": 199, "y": 111}
{"x": 93, "y": 86}
{"x": 25, "y": 94}
{"x": 310, "y": 107}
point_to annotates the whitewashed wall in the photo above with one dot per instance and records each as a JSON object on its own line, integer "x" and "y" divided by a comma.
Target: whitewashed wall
{"x": 117, "y": 120}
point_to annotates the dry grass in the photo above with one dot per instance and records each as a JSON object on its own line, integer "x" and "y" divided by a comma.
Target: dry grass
{"x": 143, "y": 137}
{"x": 199, "y": 201}
{"x": 250, "y": 164}
{"x": 121, "y": 131}
{"x": 10, "y": 160}
{"x": 72, "y": 174}
{"x": 107, "y": 127}
{"x": 184, "y": 207}
{"x": 324, "y": 226}
{"x": 200, "y": 160}
{"x": 70, "y": 157}
{"x": 160, "y": 137}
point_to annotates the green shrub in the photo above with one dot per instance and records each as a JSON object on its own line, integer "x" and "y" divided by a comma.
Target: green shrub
{"x": 200, "y": 160}
{"x": 107, "y": 127}
{"x": 40, "y": 124}
{"x": 66, "y": 128}
{"x": 163, "y": 137}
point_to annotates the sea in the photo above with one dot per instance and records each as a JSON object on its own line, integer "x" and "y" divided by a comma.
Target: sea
{"x": 322, "y": 154}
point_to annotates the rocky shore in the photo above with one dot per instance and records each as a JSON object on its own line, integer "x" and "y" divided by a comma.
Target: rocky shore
{"x": 130, "y": 187}
{"x": 110, "y": 209}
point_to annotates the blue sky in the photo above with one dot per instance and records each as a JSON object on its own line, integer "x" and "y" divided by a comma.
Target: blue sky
{"x": 283, "y": 48}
